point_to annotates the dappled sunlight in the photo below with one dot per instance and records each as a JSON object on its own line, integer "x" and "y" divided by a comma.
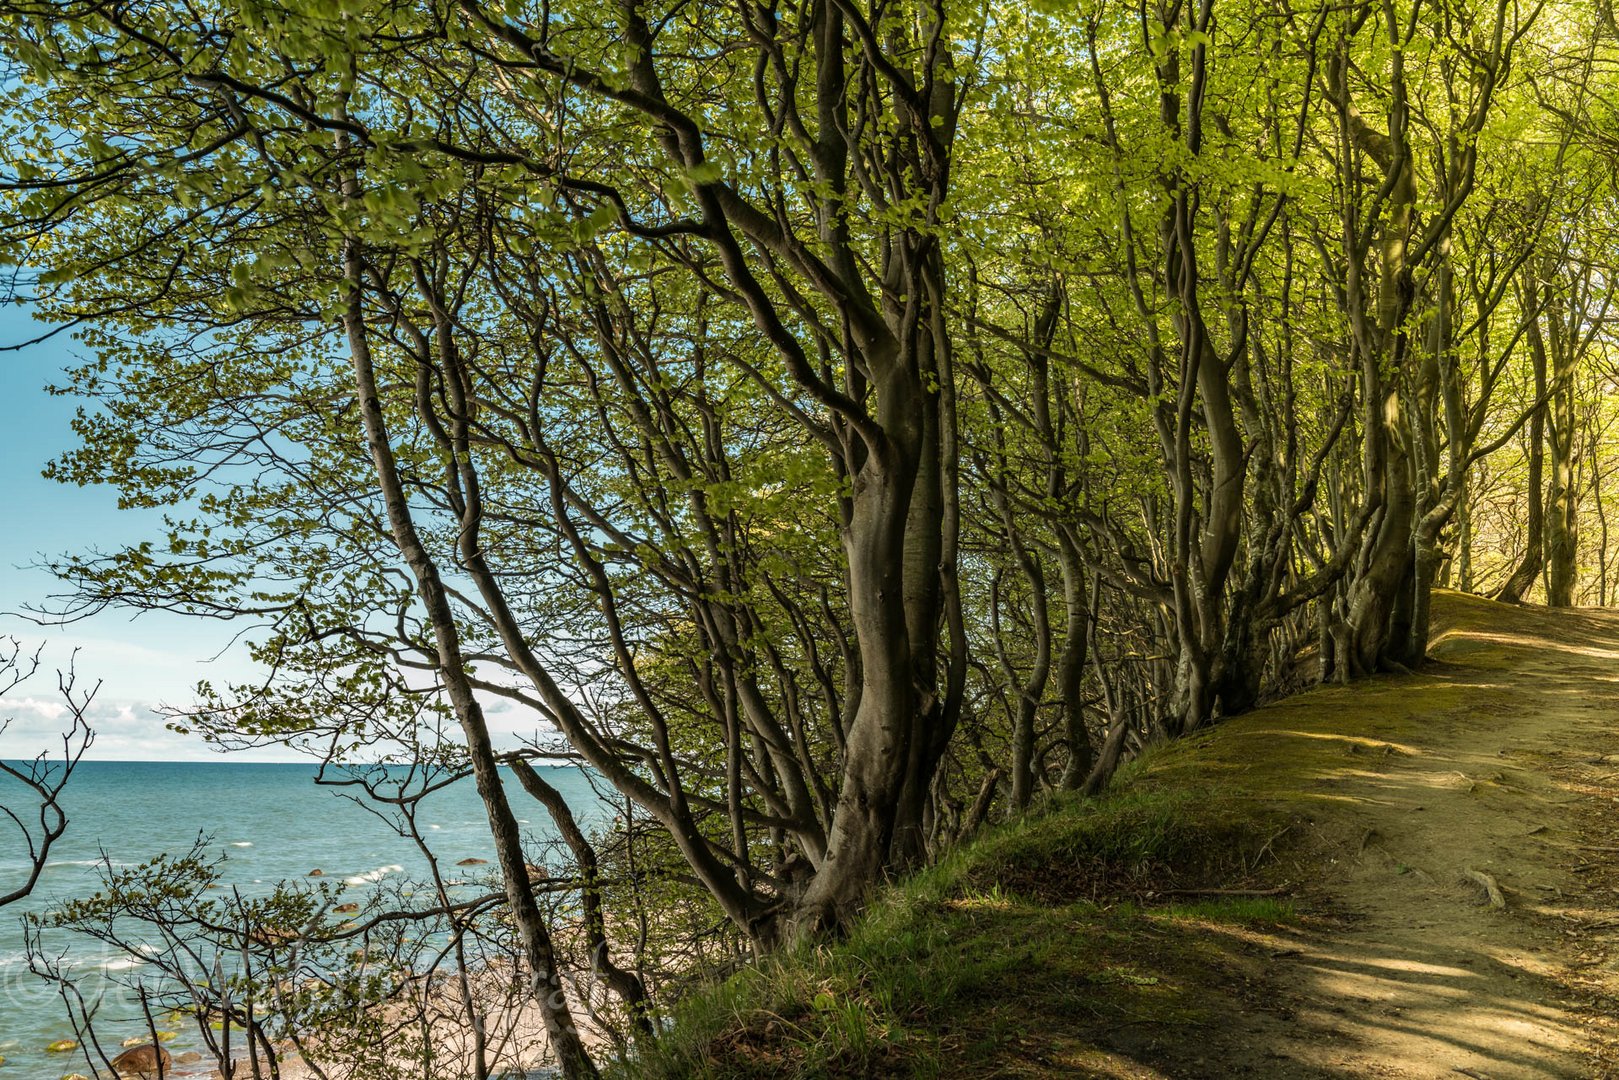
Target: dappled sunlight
{"x": 1417, "y": 789}
{"x": 1488, "y": 1011}
{"x": 1418, "y": 967}
{"x": 1458, "y": 638}
{"x": 1328, "y": 736}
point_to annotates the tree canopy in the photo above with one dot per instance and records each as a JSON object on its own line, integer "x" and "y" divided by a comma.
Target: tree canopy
{"x": 837, "y": 421}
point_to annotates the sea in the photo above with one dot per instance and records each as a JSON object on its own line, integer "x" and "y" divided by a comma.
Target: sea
{"x": 269, "y": 822}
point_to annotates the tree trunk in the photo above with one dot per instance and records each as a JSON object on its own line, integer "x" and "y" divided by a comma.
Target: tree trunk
{"x": 626, "y": 985}
{"x": 539, "y": 954}
{"x": 879, "y": 742}
{"x": 1562, "y": 494}
{"x": 1528, "y": 570}
{"x": 1071, "y": 664}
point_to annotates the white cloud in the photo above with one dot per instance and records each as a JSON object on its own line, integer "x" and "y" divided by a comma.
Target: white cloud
{"x": 124, "y": 731}
{"x": 39, "y": 707}
{"x": 157, "y": 664}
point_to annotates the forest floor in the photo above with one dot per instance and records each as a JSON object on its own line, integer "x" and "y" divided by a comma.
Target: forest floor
{"x": 1296, "y": 893}
{"x": 1502, "y": 758}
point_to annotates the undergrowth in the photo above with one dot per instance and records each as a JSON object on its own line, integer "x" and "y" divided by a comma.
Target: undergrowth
{"x": 1073, "y": 919}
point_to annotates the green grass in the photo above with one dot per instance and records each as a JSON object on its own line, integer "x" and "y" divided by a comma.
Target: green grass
{"x": 1012, "y": 956}
{"x": 1075, "y": 941}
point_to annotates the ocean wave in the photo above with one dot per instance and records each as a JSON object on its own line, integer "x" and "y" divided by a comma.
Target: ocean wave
{"x": 122, "y": 963}
{"x": 241, "y": 843}
{"x": 371, "y": 876}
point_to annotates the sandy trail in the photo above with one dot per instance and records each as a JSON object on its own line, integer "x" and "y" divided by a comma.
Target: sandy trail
{"x": 1502, "y": 757}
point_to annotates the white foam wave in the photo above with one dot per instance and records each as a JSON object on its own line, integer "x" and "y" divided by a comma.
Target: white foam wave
{"x": 371, "y": 876}
{"x": 122, "y": 963}
{"x": 241, "y": 843}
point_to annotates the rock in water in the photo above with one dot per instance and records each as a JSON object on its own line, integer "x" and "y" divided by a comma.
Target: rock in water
{"x": 141, "y": 1060}
{"x": 472, "y": 862}
{"x": 62, "y": 1046}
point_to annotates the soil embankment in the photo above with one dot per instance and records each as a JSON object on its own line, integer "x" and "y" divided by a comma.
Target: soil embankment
{"x": 1413, "y": 877}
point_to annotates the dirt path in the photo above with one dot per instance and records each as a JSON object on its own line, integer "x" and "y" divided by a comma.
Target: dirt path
{"x": 1501, "y": 759}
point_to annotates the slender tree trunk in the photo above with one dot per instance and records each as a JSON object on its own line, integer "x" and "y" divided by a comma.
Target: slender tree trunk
{"x": 1071, "y": 664}
{"x": 626, "y": 985}
{"x": 1032, "y": 689}
{"x": 1464, "y": 538}
{"x": 1527, "y": 572}
{"x": 1562, "y": 493}
{"x": 1602, "y": 523}
{"x": 539, "y": 954}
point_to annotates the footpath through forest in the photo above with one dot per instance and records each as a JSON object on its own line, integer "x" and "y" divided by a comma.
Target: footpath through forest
{"x": 1461, "y": 886}
{"x": 1425, "y": 885}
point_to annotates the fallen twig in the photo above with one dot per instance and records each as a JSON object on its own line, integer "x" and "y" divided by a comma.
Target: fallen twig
{"x": 1492, "y": 889}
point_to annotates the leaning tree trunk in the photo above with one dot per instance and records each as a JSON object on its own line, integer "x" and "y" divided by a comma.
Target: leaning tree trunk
{"x": 538, "y": 951}
{"x": 1528, "y": 570}
{"x": 625, "y": 984}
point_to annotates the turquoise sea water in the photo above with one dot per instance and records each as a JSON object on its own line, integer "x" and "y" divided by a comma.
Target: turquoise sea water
{"x": 271, "y": 822}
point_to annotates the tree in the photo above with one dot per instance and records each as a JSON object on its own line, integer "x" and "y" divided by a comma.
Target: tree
{"x": 42, "y": 780}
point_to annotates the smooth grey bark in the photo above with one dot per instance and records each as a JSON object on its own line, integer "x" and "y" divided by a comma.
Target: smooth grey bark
{"x": 1527, "y": 572}
{"x": 1567, "y": 324}
{"x": 625, "y": 984}
{"x": 1077, "y": 631}
{"x": 539, "y": 953}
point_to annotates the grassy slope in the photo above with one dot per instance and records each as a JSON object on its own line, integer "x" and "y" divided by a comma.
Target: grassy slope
{"x": 1075, "y": 941}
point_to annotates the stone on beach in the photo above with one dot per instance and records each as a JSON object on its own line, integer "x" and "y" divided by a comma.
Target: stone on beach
{"x": 148, "y": 1058}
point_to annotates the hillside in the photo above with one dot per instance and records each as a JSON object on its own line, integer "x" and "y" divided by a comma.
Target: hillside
{"x": 1303, "y": 892}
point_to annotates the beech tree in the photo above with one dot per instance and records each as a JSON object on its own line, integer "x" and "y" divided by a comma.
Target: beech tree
{"x": 833, "y": 422}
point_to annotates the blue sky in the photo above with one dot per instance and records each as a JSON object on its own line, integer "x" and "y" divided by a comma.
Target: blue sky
{"x": 141, "y": 662}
